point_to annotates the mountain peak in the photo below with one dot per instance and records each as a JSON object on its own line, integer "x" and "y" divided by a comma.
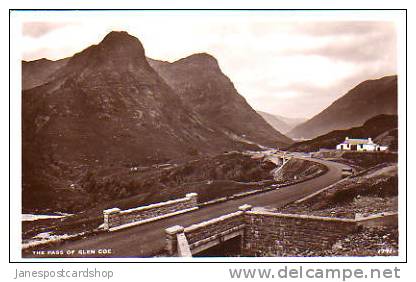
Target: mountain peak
{"x": 199, "y": 59}
{"x": 116, "y": 37}
{"x": 118, "y": 50}
{"x": 203, "y": 56}
{"x": 119, "y": 42}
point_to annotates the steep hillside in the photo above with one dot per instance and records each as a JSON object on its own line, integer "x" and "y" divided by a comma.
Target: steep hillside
{"x": 38, "y": 72}
{"x": 202, "y": 86}
{"x": 280, "y": 123}
{"x": 275, "y": 122}
{"x": 366, "y": 100}
{"x": 292, "y": 122}
{"x": 382, "y": 128}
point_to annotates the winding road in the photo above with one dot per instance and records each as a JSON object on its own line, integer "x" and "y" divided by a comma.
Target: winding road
{"x": 149, "y": 239}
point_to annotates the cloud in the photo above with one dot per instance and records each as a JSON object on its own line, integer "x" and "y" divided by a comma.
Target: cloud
{"x": 337, "y": 28}
{"x": 366, "y": 46}
{"x": 39, "y": 29}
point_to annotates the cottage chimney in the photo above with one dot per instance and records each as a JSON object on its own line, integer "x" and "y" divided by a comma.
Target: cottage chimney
{"x": 370, "y": 140}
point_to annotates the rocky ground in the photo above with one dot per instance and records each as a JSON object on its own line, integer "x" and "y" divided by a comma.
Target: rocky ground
{"x": 369, "y": 192}
{"x": 379, "y": 241}
{"x": 363, "y": 206}
{"x": 372, "y": 191}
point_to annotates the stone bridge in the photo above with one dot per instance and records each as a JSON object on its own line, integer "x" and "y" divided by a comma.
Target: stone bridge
{"x": 199, "y": 237}
{"x": 265, "y": 233}
{"x": 280, "y": 157}
{"x": 277, "y": 157}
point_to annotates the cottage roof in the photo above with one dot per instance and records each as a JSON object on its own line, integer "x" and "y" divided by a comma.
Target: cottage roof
{"x": 357, "y": 141}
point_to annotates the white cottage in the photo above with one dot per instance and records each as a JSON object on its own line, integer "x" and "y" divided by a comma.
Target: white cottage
{"x": 362, "y": 145}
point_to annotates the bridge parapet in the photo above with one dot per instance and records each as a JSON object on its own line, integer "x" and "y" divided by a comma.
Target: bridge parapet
{"x": 176, "y": 242}
{"x": 207, "y": 234}
{"x": 202, "y": 233}
{"x": 115, "y": 219}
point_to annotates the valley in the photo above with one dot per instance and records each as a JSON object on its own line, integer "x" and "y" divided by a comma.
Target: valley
{"x": 111, "y": 128}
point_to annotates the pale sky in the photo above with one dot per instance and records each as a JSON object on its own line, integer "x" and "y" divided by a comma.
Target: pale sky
{"x": 290, "y": 67}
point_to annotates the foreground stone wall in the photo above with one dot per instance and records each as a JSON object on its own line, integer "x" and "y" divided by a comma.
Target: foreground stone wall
{"x": 210, "y": 228}
{"x": 274, "y": 234}
{"x": 265, "y": 233}
{"x": 207, "y": 233}
{"x": 116, "y": 219}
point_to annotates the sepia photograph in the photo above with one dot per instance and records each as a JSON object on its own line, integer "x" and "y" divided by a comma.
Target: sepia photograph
{"x": 210, "y": 134}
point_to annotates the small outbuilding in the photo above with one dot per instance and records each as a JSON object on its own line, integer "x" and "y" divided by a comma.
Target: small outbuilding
{"x": 361, "y": 144}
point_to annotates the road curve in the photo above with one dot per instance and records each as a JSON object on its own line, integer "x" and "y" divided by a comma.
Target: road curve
{"x": 149, "y": 239}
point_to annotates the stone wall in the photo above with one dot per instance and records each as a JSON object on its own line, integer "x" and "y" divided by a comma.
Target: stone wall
{"x": 115, "y": 218}
{"x": 274, "y": 234}
{"x": 207, "y": 233}
{"x": 385, "y": 219}
{"x": 266, "y": 233}
{"x": 210, "y": 228}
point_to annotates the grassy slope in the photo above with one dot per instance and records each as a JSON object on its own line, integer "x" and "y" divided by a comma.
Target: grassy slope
{"x": 210, "y": 177}
{"x": 371, "y": 128}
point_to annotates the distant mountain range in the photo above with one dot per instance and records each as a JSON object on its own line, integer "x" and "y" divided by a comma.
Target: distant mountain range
{"x": 366, "y": 100}
{"x": 280, "y": 123}
{"x": 382, "y": 128}
{"x": 107, "y": 107}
